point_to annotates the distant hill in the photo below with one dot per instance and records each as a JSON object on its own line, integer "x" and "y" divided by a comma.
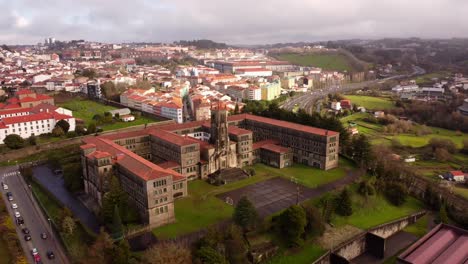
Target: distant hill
{"x": 202, "y": 44}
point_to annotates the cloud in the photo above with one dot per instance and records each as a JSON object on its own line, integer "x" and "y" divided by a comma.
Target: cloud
{"x": 240, "y": 21}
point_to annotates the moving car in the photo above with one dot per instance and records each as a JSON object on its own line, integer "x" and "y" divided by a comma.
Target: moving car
{"x": 25, "y": 230}
{"x": 14, "y": 206}
{"x": 27, "y": 237}
{"x": 17, "y": 214}
{"x": 43, "y": 235}
{"x": 5, "y": 187}
{"x": 37, "y": 258}
{"x": 50, "y": 254}
{"x": 34, "y": 251}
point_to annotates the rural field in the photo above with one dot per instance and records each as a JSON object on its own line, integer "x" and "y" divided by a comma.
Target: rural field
{"x": 371, "y": 103}
{"x": 326, "y": 61}
{"x": 85, "y": 109}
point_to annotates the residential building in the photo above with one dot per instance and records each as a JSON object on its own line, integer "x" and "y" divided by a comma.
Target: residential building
{"x": 271, "y": 91}
{"x": 32, "y": 121}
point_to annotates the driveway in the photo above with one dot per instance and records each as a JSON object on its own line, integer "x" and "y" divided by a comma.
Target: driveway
{"x": 55, "y": 185}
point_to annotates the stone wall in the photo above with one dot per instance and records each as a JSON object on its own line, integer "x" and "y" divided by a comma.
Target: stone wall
{"x": 356, "y": 246}
{"x": 389, "y": 229}
{"x": 353, "y": 247}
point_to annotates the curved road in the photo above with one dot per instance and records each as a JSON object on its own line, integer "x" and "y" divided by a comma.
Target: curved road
{"x": 306, "y": 100}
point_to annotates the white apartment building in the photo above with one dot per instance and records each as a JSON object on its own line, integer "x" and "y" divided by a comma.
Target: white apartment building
{"x": 32, "y": 124}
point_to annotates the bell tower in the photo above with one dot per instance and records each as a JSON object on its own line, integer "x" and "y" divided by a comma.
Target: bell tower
{"x": 219, "y": 137}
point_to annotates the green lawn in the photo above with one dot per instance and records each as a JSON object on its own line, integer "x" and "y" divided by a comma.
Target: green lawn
{"x": 420, "y": 228}
{"x": 375, "y": 211}
{"x": 326, "y": 61}
{"x": 371, "y": 103}
{"x": 85, "y": 109}
{"x": 308, "y": 176}
{"x": 463, "y": 191}
{"x": 202, "y": 209}
{"x": 416, "y": 141}
{"x": 305, "y": 255}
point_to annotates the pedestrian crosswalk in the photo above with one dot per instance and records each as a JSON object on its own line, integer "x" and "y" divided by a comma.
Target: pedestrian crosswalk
{"x": 10, "y": 173}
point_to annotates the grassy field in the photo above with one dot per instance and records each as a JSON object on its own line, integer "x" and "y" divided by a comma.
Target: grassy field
{"x": 371, "y": 103}
{"x": 415, "y": 141}
{"x": 305, "y": 255}
{"x": 202, "y": 209}
{"x": 308, "y": 176}
{"x": 332, "y": 61}
{"x": 376, "y": 210}
{"x": 463, "y": 191}
{"x": 427, "y": 78}
{"x": 420, "y": 228}
{"x": 86, "y": 109}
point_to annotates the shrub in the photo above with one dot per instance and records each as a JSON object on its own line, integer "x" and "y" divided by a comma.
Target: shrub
{"x": 14, "y": 141}
{"x": 344, "y": 204}
{"x": 396, "y": 193}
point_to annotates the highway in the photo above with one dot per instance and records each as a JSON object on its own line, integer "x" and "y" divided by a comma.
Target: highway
{"x": 306, "y": 100}
{"x": 34, "y": 219}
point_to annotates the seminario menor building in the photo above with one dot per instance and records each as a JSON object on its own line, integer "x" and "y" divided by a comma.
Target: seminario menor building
{"x": 154, "y": 164}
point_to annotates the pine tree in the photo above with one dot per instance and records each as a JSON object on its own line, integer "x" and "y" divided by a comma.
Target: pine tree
{"x": 443, "y": 217}
{"x": 292, "y": 223}
{"x": 117, "y": 227}
{"x": 315, "y": 225}
{"x": 245, "y": 214}
{"x": 343, "y": 203}
{"x": 236, "y": 250}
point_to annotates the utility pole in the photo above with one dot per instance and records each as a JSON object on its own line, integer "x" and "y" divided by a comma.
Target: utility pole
{"x": 296, "y": 181}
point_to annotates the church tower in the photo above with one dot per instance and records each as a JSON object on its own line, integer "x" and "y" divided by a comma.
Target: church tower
{"x": 219, "y": 137}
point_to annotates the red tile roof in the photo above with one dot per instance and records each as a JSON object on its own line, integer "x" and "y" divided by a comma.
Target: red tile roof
{"x": 275, "y": 148}
{"x": 172, "y": 137}
{"x": 262, "y": 143}
{"x": 139, "y": 166}
{"x": 24, "y": 92}
{"x": 457, "y": 173}
{"x": 293, "y": 126}
{"x": 15, "y": 111}
{"x": 27, "y": 118}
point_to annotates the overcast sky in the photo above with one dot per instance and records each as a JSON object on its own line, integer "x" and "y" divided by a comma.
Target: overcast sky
{"x": 231, "y": 21}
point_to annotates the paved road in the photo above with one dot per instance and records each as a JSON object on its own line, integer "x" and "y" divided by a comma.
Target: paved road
{"x": 33, "y": 218}
{"x": 306, "y": 100}
{"x": 55, "y": 184}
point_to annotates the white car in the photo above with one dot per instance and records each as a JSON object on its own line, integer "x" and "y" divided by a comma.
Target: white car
{"x": 5, "y": 187}
{"x": 17, "y": 214}
{"x": 34, "y": 251}
{"x": 14, "y": 206}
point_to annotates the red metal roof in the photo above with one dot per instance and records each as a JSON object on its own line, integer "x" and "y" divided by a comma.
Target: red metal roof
{"x": 443, "y": 244}
{"x": 457, "y": 173}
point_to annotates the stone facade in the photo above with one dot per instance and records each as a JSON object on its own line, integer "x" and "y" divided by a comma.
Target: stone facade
{"x": 154, "y": 164}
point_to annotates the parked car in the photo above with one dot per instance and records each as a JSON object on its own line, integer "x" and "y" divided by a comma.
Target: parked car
{"x": 43, "y": 235}
{"x": 20, "y": 220}
{"x": 14, "y": 206}
{"x": 25, "y": 230}
{"x": 37, "y": 258}
{"x": 27, "y": 237}
{"x": 50, "y": 254}
{"x": 17, "y": 214}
